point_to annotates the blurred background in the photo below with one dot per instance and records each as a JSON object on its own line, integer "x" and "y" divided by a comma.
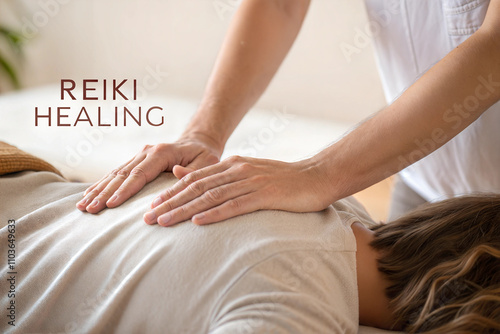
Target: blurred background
{"x": 121, "y": 38}
{"x": 176, "y": 42}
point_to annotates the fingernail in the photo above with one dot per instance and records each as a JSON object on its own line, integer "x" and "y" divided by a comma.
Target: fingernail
{"x": 198, "y": 217}
{"x": 83, "y": 202}
{"x": 95, "y": 202}
{"x": 164, "y": 219}
{"x": 150, "y": 216}
{"x": 157, "y": 201}
{"x": 113, "y": 198}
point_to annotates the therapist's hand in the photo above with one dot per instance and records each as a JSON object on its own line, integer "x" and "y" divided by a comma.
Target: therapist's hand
{"x": 240, "y": 185}
{"x": 181, "y": 157}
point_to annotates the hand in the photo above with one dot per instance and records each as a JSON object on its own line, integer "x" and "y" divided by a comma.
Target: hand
{"x": 181, "y": 157}
{"x": 240, "y": 185}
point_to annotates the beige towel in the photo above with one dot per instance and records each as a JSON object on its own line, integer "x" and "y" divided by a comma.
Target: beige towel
{"x": 264, "y": 272}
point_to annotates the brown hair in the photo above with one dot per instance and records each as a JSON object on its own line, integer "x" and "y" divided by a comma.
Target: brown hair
{"x": 443, "y": 264}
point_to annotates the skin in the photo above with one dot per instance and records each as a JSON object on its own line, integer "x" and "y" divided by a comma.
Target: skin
{"x": 259, "y": 37}
{"x": 373, "y": 303}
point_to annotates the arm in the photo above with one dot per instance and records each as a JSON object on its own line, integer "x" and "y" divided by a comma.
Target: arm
{"x": 259, "y": 38}
{"x": 378, "y": 148}
{"x": 430, "y": 111}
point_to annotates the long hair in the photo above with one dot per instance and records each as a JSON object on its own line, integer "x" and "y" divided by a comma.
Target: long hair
{"x": 443, "y": 265}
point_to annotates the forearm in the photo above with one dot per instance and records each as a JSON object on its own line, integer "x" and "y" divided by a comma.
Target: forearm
{"x": 259, "y": 37}
{"x": 443, "y": 102}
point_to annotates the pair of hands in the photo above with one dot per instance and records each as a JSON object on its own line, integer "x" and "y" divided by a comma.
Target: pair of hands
{"x": 209, "y": 191}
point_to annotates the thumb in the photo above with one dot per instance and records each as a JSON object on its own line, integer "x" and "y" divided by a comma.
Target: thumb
{"x": 181, "y": 171}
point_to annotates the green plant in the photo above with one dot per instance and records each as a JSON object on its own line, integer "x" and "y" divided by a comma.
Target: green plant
{"x": 14, "y": 40}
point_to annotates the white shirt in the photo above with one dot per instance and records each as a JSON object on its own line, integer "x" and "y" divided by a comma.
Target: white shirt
{"x": 409, "y": 37}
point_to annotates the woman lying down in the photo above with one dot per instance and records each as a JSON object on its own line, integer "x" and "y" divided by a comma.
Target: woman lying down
{"x": 436, "y": 270}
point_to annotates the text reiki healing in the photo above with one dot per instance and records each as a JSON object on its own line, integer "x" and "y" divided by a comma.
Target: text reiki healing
{"x": 123, "y": 112}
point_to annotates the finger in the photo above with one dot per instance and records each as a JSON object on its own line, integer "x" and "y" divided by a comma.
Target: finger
{"x": 136, "y": 179}
{"x": 100, "y": 201}
{"x": 202, "y": 160}
{"x": 231, "y": 208}
{"x": 89, "y": 198}
{"x": 96, "y": 201}
{"x": 207, "y": 187}
{"x": 180, "y": 171}
{"x": 189, "y": 179}
{"x": 92, "y": 187}
{"x": 171, "y": 212}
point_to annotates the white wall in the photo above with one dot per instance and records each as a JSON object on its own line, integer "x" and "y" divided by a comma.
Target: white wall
{"x": 128, "y": 38}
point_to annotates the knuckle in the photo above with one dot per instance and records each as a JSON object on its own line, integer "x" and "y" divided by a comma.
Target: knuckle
{"x": 94, "y": 193}
{"x": 114, "y": 172}
{"x": 146, "y": 148}
{"x": 196, "y": 187}
{"x": 106, "y": 193}
{"x": 244, "y": 167}
{"x": 138, "y": 172}
{"x": 169, "y": 193}
{"x": 214, "y": 213}
{"x": 120, "y": 192}
{"x": 214, "y": 195}
{"x": 158, "y": 149}
{"x": 190, "y": 178}
{"x": 235, "y": 204}
{"x": 181, "y": 211}
{"x": 234, "y": 159}
{"x": 165, "y": 207}
{"x": 122, "y": 173}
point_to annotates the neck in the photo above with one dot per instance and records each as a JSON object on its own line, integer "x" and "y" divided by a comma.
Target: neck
{"x": 373, "y": 304}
